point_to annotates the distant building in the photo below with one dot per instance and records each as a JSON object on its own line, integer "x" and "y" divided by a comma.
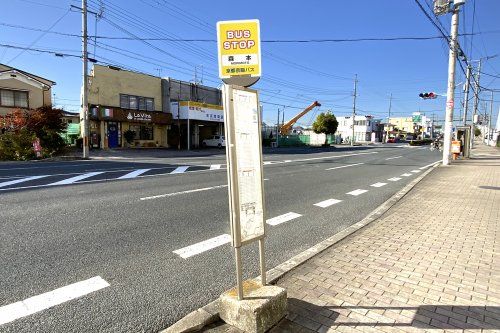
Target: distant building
{"x": 20, "y": 89}
{"x": 366, "y": 129}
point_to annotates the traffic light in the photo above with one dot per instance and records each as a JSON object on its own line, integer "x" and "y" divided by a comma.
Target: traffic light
{"x": 429, "y": 95}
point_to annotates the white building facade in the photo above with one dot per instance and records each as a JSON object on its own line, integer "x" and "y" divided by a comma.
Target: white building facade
{"x": 366, "y": 129}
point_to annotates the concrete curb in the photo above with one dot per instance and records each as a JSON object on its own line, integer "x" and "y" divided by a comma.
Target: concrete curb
{"x": 209, "y": 314}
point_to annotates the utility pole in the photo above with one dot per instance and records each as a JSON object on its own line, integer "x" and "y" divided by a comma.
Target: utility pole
{"x": 354, "y": 107}
{"x": 388, "y": 120}
{"x": 450, "y": 95}
{"x": 84, "y": 115}
{"x": 489, "y": 121}
{"x": 476, "y": 101}
{"x": 466, "y": 95}
{"x": 278, "y": 129}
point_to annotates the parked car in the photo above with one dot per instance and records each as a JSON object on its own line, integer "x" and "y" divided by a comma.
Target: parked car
{"x": 214, "y": 141}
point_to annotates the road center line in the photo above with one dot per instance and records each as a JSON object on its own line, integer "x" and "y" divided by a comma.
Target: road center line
{"x": 357, "y": 192}
{"x": 11, "y": 312}
{"x": 180, "y": 169}
{"x": 283, "y": 218}
{"x": 76, "y": 178}
{"x": 378, "y": 184}
{"x": 392, "y": 158}
{"x": 327, "y": 203}
{"x": 201, "y": 247}
{"x": 344, "y": 166}
{"x": 183, "y": 192}
{"x": 22, "y": 180}
{"x": 134, "y": 174}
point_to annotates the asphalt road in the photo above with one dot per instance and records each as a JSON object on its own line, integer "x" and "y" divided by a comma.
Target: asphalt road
{"x": 137, "y": 234}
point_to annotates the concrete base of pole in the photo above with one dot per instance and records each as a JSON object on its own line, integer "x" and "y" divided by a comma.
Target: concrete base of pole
{"x": 262, "y": 307}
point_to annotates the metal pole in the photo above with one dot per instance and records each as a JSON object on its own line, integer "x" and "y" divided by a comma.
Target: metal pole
{"x": 278, "y": 129}
{"x": 85, "y": 104}
{"x": 388, "y": 120}
{"x": 354, "y": 107}
{"x": 476, "y": 101}
{"x": 179, "y": 119}
{"x": 188, "y": 133}
{"x": 262, "y": 262}
{"x": 239, "y": 278}
{"x": 489, "y": 121}
{"x": 466, "y": 96}
{"x": 450, "y": 95}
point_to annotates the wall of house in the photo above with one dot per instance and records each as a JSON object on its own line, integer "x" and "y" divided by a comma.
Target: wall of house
{"x": 37, "y": 97}
{"x": 107, "y": 84}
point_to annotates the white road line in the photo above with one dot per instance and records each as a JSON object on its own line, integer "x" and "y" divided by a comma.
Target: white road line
{"x": 201, "y": 247}
{"x": 183, "y": 192}
{"x": 283, "y": 218}
{"x": 22, "y": 180}
{"x": 134, "y": 174}
{"x": 180, "y": 169}
{"x": 334, "y": 156}
{"x": 406, "y": 174}
{"x": 344, "y": 166}
{"x": 215, "y": 166}
{"x": 394, "y": 179}
{"x": 392, "y": 158}
{"x": 429, "y": 165}
{"x": 76, "y": 178}
{"x": 415, "y": 171}
{"x": 287, "y": 161}
{"x": 357, "y": 192}
{"x": 268, "y": 162}
{"x": 378, "y": 184}
{"x": 11, "y": 312}
{"x": 327, "y": 203}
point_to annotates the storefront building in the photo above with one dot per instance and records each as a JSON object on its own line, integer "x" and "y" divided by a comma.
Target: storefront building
{"x": 197, "y": 121}
{"x": 122, "y": 100}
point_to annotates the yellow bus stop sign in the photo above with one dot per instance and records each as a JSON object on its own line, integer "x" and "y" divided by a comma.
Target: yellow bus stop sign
{"x": 239, "y": 51}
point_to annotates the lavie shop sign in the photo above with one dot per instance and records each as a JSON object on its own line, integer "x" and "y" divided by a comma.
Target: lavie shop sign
{"x": 139, "y": 116}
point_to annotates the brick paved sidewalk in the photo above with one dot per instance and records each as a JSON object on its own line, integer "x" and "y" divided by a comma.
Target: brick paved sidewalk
{"x": 431, "y": 263}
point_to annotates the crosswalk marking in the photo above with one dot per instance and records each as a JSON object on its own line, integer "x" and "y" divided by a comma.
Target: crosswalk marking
{"x": 327, "y": 203}
{"x": 378, "y": 184}
{"x": 22, "y": 180}
{"x": 201, "y": 247}
{"x": 215, "y": 166}
{"x": 76, "y": 178}
{"x": 180, "y": 169}
{"x": 134, "y": 174}
{"x": 283, "y": 218}
{"x": 394, "y": 179}
{"x": 357, "y": 192}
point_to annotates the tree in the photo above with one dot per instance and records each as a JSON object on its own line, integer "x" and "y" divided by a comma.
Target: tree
{"x": 477, "y": 131}
{"x": 325, "y": 123}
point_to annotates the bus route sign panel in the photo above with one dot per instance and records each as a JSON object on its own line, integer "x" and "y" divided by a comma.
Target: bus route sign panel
{"x": 239, "y": 48}
{"x": 244, "y": 151}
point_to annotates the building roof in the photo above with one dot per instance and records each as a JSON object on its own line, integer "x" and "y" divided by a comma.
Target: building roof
{"x": 42, "y": 80}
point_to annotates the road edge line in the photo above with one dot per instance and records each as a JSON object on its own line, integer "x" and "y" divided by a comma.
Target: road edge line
{"x": 209, "y": 313}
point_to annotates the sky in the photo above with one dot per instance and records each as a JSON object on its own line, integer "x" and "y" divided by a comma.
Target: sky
{"x": 293, "y": 74}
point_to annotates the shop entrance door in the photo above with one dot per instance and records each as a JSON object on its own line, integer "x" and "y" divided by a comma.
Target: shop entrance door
{"x": 112, "y": 135}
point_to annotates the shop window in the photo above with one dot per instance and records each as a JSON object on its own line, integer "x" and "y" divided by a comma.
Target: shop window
{"x": 150, "y": 104}
{"x": 14, "y": 98}
{"x": 142, "y": 132}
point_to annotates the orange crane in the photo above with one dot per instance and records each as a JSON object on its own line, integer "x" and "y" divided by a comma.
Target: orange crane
{"x": 288, "y": 126}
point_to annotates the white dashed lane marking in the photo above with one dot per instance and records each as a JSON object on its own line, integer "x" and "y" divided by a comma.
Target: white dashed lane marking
{"x": 406, "y": 174}
{"x": 378, "y": 184}
{"x": 394, "y": 179}
{"x": 415, "y": 171}
{"x": 76, "y": 178}
{"x": 357, "y": 192}
{"x": 344, "y": 166}
{"x": 327, "y": 203}
{"x": 283, "y": 218}
{"x": 215, "y": 166}
{"x": 201, "y": 247}
{"x": 11, "y": 312}
{"x": 134, "y": 174}
{"x": 392, "y": 158}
